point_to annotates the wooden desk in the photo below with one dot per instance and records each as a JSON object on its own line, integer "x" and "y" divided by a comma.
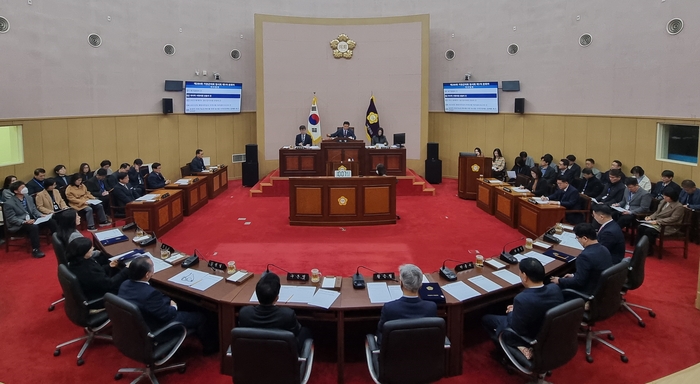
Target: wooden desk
{"x": 394, "y": 159}
{"x": 486, "y": 193}
{"x": 301, "y": 162}
{"x": 470, "y": 170}
{"x": 343, "y": 150}
{"x": 194, "y": 194}
{"x": 330, "y": 201}
{"x": 507, "y": 205}
{"x": 159, "y": 216}
{"x": 535, "y": 219}
{"x": 217, "y": 181}
{"x": 352, "y": 166}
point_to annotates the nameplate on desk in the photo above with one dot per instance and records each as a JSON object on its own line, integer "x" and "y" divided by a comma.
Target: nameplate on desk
{"x": 297, "y": 276}
{"x": 464, "y": 267}
{"x": 217, "y": 265}
{"x": 342, "y": 173}
{"x": 384, "y": 276}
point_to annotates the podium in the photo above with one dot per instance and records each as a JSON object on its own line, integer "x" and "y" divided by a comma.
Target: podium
{"x": 471, "y": 168}
{"x": 342, "y": 150}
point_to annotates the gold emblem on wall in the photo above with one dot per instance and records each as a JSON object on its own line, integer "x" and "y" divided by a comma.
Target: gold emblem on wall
{"x": 342, "y": 200}
{"x": 342, "y": 46}
{"x": 475, "y": 168}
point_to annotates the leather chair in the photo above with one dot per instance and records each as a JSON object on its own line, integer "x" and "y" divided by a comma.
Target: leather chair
{"x": 13, "y": 239}
{"x": 77, "y": 310}
{"x": 585, "y": 204}
{"x": 412, "y": 351}
{"x": 135, "y": 340}
{"x": 185, "y": 171}
{"x": 683, "y": 233}
{"x": 555, "y": 344}
{"x": 522, "y": 180}
{"x": 255, "y": 351}
{"x": 603, "y": 304}
{"x": 60, "y": 252}
{"x": 640, "y": 216}
{"x": 635, "y": 278}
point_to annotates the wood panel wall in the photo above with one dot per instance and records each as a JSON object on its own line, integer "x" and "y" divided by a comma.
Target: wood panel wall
{"x": 632, "y": 140}
{"x": 167, "y": 139}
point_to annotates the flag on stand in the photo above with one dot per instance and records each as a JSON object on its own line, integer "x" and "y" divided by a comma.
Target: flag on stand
{"x": 314, "y": 123}
{"x": 372, "y": 120}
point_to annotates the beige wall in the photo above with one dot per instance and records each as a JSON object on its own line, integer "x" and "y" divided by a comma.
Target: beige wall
{"x": 631, "y": 140}
{"x": 168, "y": 139}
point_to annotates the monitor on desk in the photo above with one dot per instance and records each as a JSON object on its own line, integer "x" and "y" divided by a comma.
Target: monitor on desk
{"x": 399, "y": 139}
{"x": 467, "y": 154}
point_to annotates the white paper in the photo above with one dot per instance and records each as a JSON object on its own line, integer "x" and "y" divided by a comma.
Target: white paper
{"x": 302, "y": 295}
{"x": 484, "y": 283}
{"x": 520, "y": 190}
{"x": 619, "y": 209}
{"x": 158, "y": 263}
{"x": 328, "y": 282}
{"x": 539, "y": 201}
{"x": 425, "y": 279}
{"x": 175, "y": 257}
{"x": 286, "y": 292}
{"x": 108, "y": 234}
{"x": 508, "y": 276}
{"x": 395, "y": 291}
{"x": 94, "y": 201}
{"x": 254, "y": 298}
{"x": 206, "y": 282}
{"x": 568, "y": 239}
{"x": 136, "y": 239}
{"x": 378, "y": 293}
{"x": 324, "y": 298}
{"x": 43, "y": 219}
{"x": 511, "y": 174}
{"x": 494, "y": 263}
{"x": 207, "y": 160}
{"x": 182, "y": 181}
{"x": 542, "y": 245}
{"x": 188, "y": 277}
{"x": 568, "y": 227}
{"x": 148, "y": 197}
{"x": 236, "y": 276}
{"x": 544, "y": 259}
{"x": 460, "y": 291}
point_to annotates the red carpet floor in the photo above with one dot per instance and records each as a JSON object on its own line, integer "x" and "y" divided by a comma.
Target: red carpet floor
{"x": 430, "y": 230}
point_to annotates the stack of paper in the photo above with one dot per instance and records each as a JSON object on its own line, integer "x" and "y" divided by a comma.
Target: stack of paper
{"x": 381, "y": 293}
{"x": 182, "y": 181}
{"x": 43, "y": 219}
{"x": 544, "y": 259}
{"x": 568, "y": 239}
{"x": 484, "y": 283}
{"x": 94, "y": 201}
{"x": 324, "y": 298}
{"x": 148, "y": 197}
{"x": 508, "y": 276}
{"x": 460, "y": 291}
{"x": 520, "y": 190}
{"x": 328, "y": 282}
{"x": 108, "y": 234}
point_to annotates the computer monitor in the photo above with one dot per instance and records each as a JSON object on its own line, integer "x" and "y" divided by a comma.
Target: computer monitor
{"x": 399, "y": 139}
{"x": 468, "y": 154}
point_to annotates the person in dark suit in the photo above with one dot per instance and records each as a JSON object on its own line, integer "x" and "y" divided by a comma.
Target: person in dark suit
{"x": 269, "y": 316}
{"x": 526, "y": 314}
{"x": 410, "y": 305}
{"x": 538, "y": 186}
{"x": 62, "y": 180}
{"x": 547, "y": 172}
{"x": 97, "y": 186}
{"x": 614, "y": 191}
{"x": 588, "y": 184}
{"x": 197, "y": 164}
{"x": 615, "y": 165}
{"x": 666, "y": 181}
{"x": 575, "y": 168}
{"x": 85, "y": 172}
{"x": 379, "y": 138}
{"x": 107, "y": 166}
{"x": 20, "y": 213}
{"x": 135, "y": 178}
{"x": 95, "y": 279}
{"x": 636, "y": 200}
{"x": 111, "y": 181}
{"x": 122, "y": 193}
{"x": 590, "y": 263}
{"x": 609, "y": 234}
{"x": 158, "y": 309}
{"x": 345, "y": 132}
{"x": 564, "y": 171}
{"x": 36, "y": 184}
{"x": 689, "y": 197}
{"x": 568, "y": 197}
{"x": 303, "y": 139}
{"x": 155, "y": 179}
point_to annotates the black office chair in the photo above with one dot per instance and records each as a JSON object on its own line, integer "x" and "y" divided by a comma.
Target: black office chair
{"x": 60, "y": 253}
{"x": 412, "y": 351}
{"x": 255, "y": 350}
{"x": 603, "y": 304}
{"x": 78, "y": 311}
{"x": 555, "y": 344}
{"x": 185, "y": 171}
{"x": 635, "y": 278}
{"x": 136, "y": 341}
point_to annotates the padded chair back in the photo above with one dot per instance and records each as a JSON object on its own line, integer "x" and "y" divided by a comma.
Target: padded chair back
{"x": 185, "y": 171}
{"x": 76, "y": 303}
{"x": 635, "y": 274}
{"x": 59, "y": 249}
{"x": 522, "y": 180}
{"x": 557, "y": 341}
{"x": 62, "y": 192}
{"x": 412, "y": 351}
{"x": 129, "y": 330}
{"x": 264, "y": 356}
{"x": 607, "y": 299}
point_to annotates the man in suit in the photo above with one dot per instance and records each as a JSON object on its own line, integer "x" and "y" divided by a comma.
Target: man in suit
{"x": 20, "y": 214}
{"x": 269, "y": 316}
{"x": 588, "y": 184}
{"x": 303, "y": 139}
{"x": 158, "y": 309}
{"x": 548, "y": 173}
{"x": 568, "y": 197}
{"x": 135, "y": 178}
{"x": 613, "y": 191}
{"x": 344, "y": 132}
{"x": 666, "y": 181}
{"x": 526, "y": 314}
{"x": 97, "y": 186}
{"x": 636, "y": 200}
{"x": 689, "y": 197}
{"x": 564, "y": 170}
{"x": 410, "y": 305}
{"x": 111, "y": 181}
{"x": 197, "y": 164}
{"x": 609, "y": 234}
{"x": 615, "y": 165}
{"x": 590, "y": 164}
{"x": 575, "y": 168}
{"x": 123, "y": 193}
{"x": 61, "y": 179}
{"x": 590, "y": 263}
{"x": 528, "y": 160}
{"x": 155, "y": 179}
{"x": 36, "y": 185}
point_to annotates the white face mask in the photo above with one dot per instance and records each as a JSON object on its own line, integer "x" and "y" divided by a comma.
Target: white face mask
{"x": 24, "y": 191}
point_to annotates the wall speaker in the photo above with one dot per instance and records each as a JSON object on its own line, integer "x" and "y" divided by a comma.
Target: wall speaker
{"x": 250, "y": 174}
{"x": 433, "y": 171}
{"x": 167, "y": 105}
{"x": 433, "y": 151}
{"x": 519, "y": 105}
{"x": 251, "y": 153}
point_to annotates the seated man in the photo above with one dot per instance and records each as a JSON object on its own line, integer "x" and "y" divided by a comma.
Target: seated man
{"x": 635, "y": 201}
{"x": 36, "y": 184}
{"x": 575, "y": 168}
{"x": 410, "y": 305}
{"x": 526, "y": 314}
{"x": 590, "y": 263}
{"x": 135, "y": 178}
{"x": 666, "y": 181}
{"x": 568, "y": 197}
{"x": 97, "y": 186}
{"x": 689, "y": 197}
{"x": 49, "y": 200}
{"x": 613, "y": 191}
{"x": 590, "y": 164}
{"x": 269, "y": 316}
{"x": 111, "y": 180}
{"x": 62, "y": 180}
{"x": 155, "y": 179}
{"x": 123, "y": 194}
{"x": 157, "y": 309}
{"x": 197, "y": 164}
{"x": 344, "y": 132}
{"x": 588, "y": 184}
{"x": 563, "y": 169}
{"x": 303, "y": 139}
{"x": 638, "y": 173}
{"x": 528, "y": 160}
{"x": 549, "y": 175}
{"x": 615, "y": 165}
{"x": 609, "y": 234}
{"x": 20, "y": 213}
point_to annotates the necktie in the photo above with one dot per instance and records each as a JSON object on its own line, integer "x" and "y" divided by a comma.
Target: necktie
{"x": 303, "y": 138}
{"x": 585, "y": 185}
{"x": 345, "y": 132}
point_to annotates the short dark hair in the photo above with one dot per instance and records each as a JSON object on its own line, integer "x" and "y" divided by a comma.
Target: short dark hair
{"x": 603, "y": 209}
{"x": 549, "y": 158}
{"x": 532, "y": 268}
{"x": 38, "y": 171}
{"x": 105, "y": 162}
{"x": 8, "y": 181}
{"x": 523, "y": 154}
{"x": 15, "y": 186}
{"x": 565, "y": 162}
{"x": 346, "y": 122}
{"x": 587, "y": 230}
{"x": 138, "y": 162}
{"x": 381, "y": 169}
{"x": 124, "y": 165}
{"x": 591, "y": 160}
{"x": 618, "y": 162}
{"x": 615, "y": 173}
{"x": 121, "y": 175}
{"x": 268, "y": 288}
{"x": 671, "y": 193}
{"x": 587, "y": 171}
{"x": 155, "y": 165}
{"x": 75, "y": 177}
{"x": 302, "y": 127}
{"x": 49, "y": 182}
{"x": 562, "y": 178}
{"x": 638, "y": 170}
{"x": 77, "y": 248}
{"x": 101, "y": 172}
{"x": 631, "y": 181}
{"x": 688, "y": 184}
{"x": 198, "y": 151}
{"x": 571, "y": 158}
{"x": 58, "y": 168}
{"x": 546, "y": 159}
{"x": 139, "y": 267}
{"x": 667, "y": 173}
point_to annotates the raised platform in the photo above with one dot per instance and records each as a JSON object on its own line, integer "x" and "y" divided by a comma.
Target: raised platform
{"x": 273, "y": 185}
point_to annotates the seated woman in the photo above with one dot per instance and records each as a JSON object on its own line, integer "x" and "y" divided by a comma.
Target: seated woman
{"x": 85, "y": 172}
{"x": 95, "y": 279}
{"x": 49, "y": 200}
{"x": 520, "y": 168}
{"x": 538, "y": 185}
{"x": 68, "y": 222}
{"x": 6, "y": 193}
{"x": 62, "y": 178}
{"x": 78, "y": 196}
{"x": 498, "y": 165}
{"x": 670, "y": 212}
{"x": 380, "y": 138}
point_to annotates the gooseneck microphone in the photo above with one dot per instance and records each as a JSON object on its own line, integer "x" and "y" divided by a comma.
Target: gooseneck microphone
{"x": 506, "y": 256}
{"x": 449, "y": 274}
{"x": 358, "y": 281}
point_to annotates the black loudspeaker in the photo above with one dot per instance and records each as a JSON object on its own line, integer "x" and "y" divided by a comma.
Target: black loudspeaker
{"x": 519, "y": 105}
{"x": 250, "y": 174}
{"x": 167, "y": 105}
{"x": 433, "y": 171}
{"x": 433, "y": 151}
{"x": 251, "y": 153}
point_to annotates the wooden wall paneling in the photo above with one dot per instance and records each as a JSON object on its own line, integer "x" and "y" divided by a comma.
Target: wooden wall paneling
{"x": 575, "y": 142}
{"x": 54, "y": 141}
{"x": 453, "y": 140}
{"x": 104, "y": 141}
{"x": 493, "y": 131}
{"x": 224, "y": 141}
{"x": 127, "y": 137}
{"x": 513, "y": 129}
{"x": 476, "y": 132}
{"x": 7, "y": 171}
{"x": 533, "y": 136}
{"x": 206, "y": 136}
{"x": 433, "y": 127}
{"x": 187, "y": 128}
{"x": 169, "y": 144}
{"x": 598, "y": 142}
{"x": 33, "y": 154}
{"x": 623, "y": 143}
{"x": 695, "y": 174}
{"x": 645, "y": 145}
{"x": 680, "y": 171}
{"x": 554, "y": 132}
{"x": 149, "y": 138}
{"x": 80, "y": 145}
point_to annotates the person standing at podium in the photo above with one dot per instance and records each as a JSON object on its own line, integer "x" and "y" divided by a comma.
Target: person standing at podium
{"x": 197, "y": 164}
{"x": 303, "y": 139}
{"x": 344, "y": 132}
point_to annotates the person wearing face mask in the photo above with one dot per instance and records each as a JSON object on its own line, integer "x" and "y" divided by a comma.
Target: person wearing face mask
{"x": 21, "y": 213}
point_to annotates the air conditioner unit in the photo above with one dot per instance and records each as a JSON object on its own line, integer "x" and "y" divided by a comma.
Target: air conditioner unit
{"x": 238, "y": 158}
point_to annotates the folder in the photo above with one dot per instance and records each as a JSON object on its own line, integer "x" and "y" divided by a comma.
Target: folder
{"x": 432, "y": 292}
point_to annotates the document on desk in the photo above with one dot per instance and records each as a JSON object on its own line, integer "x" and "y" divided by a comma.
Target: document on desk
{"x": 158, "y": 263}
{"x": 378, "y": 293}
{"x": 521, "y": 190}
{"x": 484, "y": 283}
{"x": 182, "y": 181}
{"x": 568, "y": 239}
{"x": 286, "y": 292}
{"x": 425, "y": 279}
{"x": 395, "y": 291}
{"x": 508, "y": 276}
{"x": 328, "y": 282}
{"x": 302, "y": 295}
{"x": 188, "y": 277}
{"x": 460, "y": 291}
{"x": 542, "y": 244}
{"x": 254, "y": 298}
{"x": 206, "y": 282}
{"x": 324, "y": 298}
{"x": 148, "y": 197}
{"x": 43, "y": 219}
{"x": 544, "y": 259}
{"x": 108, "y": 234}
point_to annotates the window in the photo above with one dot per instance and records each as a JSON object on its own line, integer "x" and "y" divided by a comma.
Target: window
{"x": 11, "y": 147}
{"x": 677, "y": 143}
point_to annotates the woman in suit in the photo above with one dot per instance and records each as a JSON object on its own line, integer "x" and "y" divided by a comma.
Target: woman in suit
{"x": 85, "y": 172}
{"x": 670, "y": 212}
{"x": 78, "y": 195}
{"x": 6, "y": 193}
{"x": 538, "y": 185}
{"x": 498, "y": 165}
{"x": 95, "y": 279}
{"x": 380, "y": 138}
{"x": 49, "y": 200}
